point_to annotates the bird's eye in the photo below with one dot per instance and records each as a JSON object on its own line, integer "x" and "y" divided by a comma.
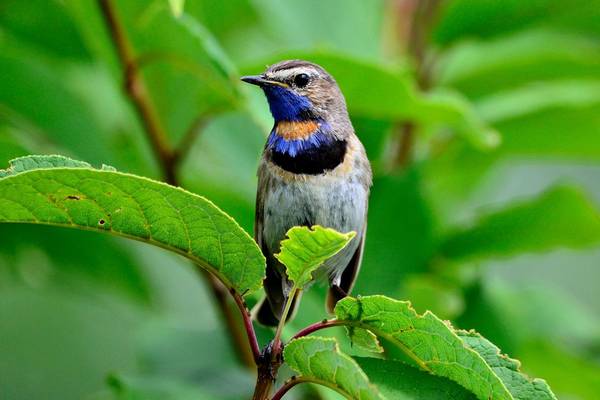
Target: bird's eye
{"x": 301, "y": 80}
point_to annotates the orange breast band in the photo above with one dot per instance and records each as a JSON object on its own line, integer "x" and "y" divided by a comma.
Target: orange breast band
{"x": 293, "y": 130}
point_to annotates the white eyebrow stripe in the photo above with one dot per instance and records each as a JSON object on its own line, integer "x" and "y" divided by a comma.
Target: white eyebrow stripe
{"x": 288, "y": 73}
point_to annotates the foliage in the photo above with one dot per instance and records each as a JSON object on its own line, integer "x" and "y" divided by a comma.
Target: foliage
{"x": 437, "y": 348}
{"x": 481, "y": 125}
{"x": 58, "y": 191}
{"x": 306, "y": 249}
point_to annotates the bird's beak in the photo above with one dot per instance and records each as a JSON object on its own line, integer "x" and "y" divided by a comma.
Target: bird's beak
{"x": 261, "y": 81}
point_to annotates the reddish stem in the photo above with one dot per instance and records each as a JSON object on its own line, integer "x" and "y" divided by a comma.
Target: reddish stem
{"x": 247, "y": 318}
{"x": 317, "y": 326}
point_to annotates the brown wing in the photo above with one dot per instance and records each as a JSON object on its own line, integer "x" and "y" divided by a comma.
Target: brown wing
{"x": 349, "y": 276}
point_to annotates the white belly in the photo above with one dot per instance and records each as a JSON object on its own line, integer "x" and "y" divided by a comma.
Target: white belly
{"x": 330, "y": 201}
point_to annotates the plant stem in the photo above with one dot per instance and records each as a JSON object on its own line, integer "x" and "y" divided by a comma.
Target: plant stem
{"x": 268, "y": 364}
{"x": 264, "y": 382}
{"x": 136, "y": 90}
{"x": 248, "y": 325}
{"x": 327, "y": 323}
{"x": 271, "y": 358}
{"x": 167, "y": 157}
{"x": 288, "y": 304}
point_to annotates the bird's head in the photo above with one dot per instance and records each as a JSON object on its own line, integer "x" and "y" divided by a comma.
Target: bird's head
{"x": 311, "y": 121}
{"x": 299, "y": 91}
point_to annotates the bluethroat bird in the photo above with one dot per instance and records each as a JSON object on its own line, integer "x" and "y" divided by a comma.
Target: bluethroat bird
{"x": 313, "y": 171}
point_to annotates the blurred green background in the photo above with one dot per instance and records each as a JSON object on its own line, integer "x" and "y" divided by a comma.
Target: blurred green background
{"x": 481, "y": 119}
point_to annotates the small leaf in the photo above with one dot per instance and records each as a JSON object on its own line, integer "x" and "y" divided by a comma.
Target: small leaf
{"x": 307, "y": 248}
{"x": 320, "y": 360}
{"x": 427, "y": 340}
{"x": 519, "y": 385}
{"x": 55, "y": 190}
{"x": 562, "y": 216}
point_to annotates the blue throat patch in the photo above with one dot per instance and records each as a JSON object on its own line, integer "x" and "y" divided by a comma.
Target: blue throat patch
{"x": 286, "y": 105}
{"x": 294, "y": 147}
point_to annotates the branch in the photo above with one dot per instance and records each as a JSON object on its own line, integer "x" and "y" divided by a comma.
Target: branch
{"x": 138, "y": 94}
{"x": 326, "y": 323}
{"x": 253, "y": 342}
{"x": 136, "y": 90}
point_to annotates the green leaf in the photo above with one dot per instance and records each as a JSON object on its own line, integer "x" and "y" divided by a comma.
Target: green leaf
{"x": 484, "y": 18}
{"x": 562, "y": 216}
{"x": 57, "y": 191}
{"x": 535, "y": 97}
{"x": 428, "y": 341}
{"x": 543, "y": 133}
{"x": 319, "y": 360}
{"x": 483, "y": 68}
{"x": 307, "y": 248}
{"x": 519, "y": 385}
{"x": 399, "y": 381}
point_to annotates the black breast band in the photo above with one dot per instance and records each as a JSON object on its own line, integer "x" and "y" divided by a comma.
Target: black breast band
{"x": 314, "y": 160}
